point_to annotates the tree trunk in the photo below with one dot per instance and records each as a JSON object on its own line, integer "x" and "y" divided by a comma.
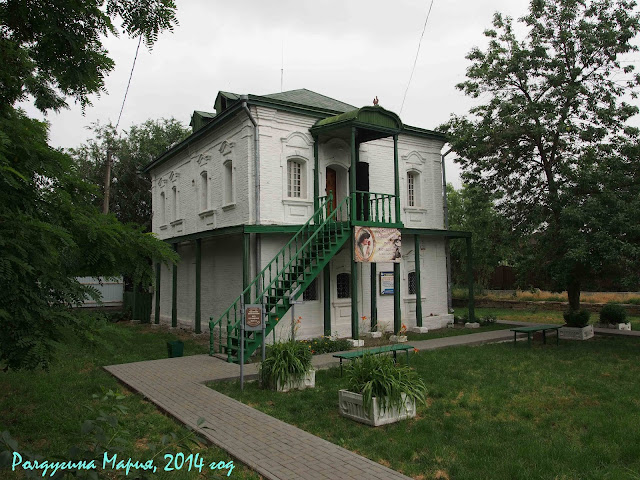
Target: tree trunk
{"x": 573, "y": 292}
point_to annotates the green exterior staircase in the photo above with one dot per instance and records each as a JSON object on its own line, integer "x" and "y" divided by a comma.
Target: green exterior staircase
{"x": 286, "y": 277}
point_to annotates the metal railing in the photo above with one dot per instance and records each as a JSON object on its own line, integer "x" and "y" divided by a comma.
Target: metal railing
{"x": 376, "y": 208}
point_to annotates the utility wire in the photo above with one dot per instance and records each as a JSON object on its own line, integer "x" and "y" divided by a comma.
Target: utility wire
{"x": 129, "y": 83}
{"x": 417, "y": 53}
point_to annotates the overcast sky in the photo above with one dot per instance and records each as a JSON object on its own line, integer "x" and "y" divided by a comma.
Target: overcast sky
{"x": 350, "y": 50}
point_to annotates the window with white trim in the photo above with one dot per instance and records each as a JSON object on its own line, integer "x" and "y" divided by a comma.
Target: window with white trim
{"x": 163, "y": 209}
{"x": 174, "y": 205}
{"x": 204, "y": 191}
{"x": 311, "y": 293}
{"x": 343, "y": 285}
{"x": 296, "y": 179}
{"x": 229, "y": 194}
{"x": 411, "y": 277}
{"x": 413, "y": 189}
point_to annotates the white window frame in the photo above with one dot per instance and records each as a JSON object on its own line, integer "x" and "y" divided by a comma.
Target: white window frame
{"x": 163, "y": 208}
{"x": 302, "y": 192}
{"x": 229, "y": 184}
{"x": 413, "y": 189}
{"x": 205, "y": 201}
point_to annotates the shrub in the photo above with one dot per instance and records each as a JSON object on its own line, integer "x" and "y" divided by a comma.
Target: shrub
{"x": 576, "y": 318}
{"x": 378, "y": 376}
{"x": 613, "y": 313}
{"x": 326, "y": 345}
{"x": 285, "y": 361}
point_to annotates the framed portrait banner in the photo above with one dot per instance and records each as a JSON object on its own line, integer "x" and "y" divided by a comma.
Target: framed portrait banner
{"x": 377, "y": 245}
{"x": 386, "y": 283}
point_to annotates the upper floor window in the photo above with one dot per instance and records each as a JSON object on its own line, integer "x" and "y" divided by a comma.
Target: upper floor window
{"x": 174, "y": 204}
{"x": 204, "y": 191}
{"x": 413, "y": 189}
{"x": 163, "y": 209}
{"x": 296, "y": 179}
{"x": 343, "y": 285}
{"x": 229, "y": 194}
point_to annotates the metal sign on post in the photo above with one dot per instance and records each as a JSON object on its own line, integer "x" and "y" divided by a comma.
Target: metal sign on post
{"x": 252, "y": 321}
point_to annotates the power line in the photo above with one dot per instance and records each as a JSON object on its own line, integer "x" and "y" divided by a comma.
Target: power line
{"x": 129, "y": 83}
{"x": 417, "y": 53}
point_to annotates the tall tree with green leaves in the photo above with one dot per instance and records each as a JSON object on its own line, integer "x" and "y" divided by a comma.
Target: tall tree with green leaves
{"x": 130, "y": 198}
{"x": 49, "y": 231}
{"x": 472, "y": 210}
{"x": 550, "y": 136}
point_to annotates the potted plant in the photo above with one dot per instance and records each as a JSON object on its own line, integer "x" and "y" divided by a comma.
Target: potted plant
{"x": 380, "y": 392}
{"x": 613, "y": 315}
{"x": 287, "y": 366}
{"x": 576, "y": 325}
{"x": 401, "y": 337}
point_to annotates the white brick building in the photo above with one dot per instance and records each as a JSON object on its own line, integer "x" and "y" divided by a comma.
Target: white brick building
{"x": 231, "y": 195}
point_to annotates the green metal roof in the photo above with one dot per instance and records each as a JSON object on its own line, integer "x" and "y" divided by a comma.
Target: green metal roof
{"x": 306, "y": 97}
{"x": 374, "y": 116}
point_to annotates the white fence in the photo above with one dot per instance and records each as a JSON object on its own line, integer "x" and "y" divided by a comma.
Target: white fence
{"x": 111, "y": 291}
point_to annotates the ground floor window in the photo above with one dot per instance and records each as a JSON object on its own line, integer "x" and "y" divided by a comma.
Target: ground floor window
{"x": 343, "y": 285}
{"x": 412, "y": 283}
{"x": 311, "y": 293}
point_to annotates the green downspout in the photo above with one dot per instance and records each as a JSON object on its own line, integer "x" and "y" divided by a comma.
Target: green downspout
{"x": 352, "y": 175}
{"x": 245, "y": 266}
{"x": 157, "y": 312}
{"x": 316, "y": 180}
{"x": 472, "y": 316}
{"x": 374, "y": 297}
{"x": 418, "y": 290}
{"x": 397, "y": 315}
{"x": 396, "y": 172}
{"x": 326, "y": 276}
{"x": 174, "y": 292}
{"x": 198, "y": 283}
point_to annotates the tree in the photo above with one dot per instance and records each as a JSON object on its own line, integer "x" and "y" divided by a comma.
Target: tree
{"x": 471, "y": 209}
{"x": 49, "y": 231}
{"x": 130, "y": 198}
{"x": 552, "y": 138}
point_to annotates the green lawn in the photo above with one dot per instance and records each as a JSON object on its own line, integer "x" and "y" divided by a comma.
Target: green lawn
{"x": 493, "y": 412}
{"x": 534, "y": 315}
{"x": 44, "y": 411}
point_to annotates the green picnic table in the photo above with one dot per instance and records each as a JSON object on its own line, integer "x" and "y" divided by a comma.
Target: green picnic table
{"x": 374, "y": 351}
{"x": 540, "y": 328}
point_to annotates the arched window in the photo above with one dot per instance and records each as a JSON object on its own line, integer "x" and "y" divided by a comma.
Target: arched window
{"x": 229, "y": 193}
{"x": 174, "y": 205}
{"x": 204, "y": 191}
{"x": 296, "y": 179}
{"x": 343, "y": 285}
{"x": 412, "y": 283}
{"x": 163, "y": 209}
{"x": 413, "y": 189}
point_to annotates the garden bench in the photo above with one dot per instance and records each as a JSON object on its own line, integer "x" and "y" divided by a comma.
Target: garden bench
{"x": 374, "y": 351}
{"x": 531, "y": 330}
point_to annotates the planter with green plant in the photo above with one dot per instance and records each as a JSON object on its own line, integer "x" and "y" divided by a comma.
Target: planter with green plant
{"x": 576, "y": 325}
{"x": 613, "y": 315}
{"x": 287, "y": 366}
{"x": 380, "y": 392}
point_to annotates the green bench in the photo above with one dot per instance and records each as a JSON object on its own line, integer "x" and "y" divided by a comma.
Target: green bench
{"x": 374, "y": 351}
{"x": 531, "y": 330}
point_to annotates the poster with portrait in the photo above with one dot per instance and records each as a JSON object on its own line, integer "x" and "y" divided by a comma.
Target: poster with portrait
{"x": 377, "y": 245}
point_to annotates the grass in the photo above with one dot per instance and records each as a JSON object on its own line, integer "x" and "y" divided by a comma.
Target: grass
{"x": 44, "y": 411}
{"x": 496, "y": 411}
{"x": 544, "y": 296}
{"x": 535, "y": 315}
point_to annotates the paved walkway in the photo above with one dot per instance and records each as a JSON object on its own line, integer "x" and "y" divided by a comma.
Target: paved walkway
{"x": 274, "y": 449}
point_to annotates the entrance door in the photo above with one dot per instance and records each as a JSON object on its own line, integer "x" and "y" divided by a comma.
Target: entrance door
{"x": 331, "y": 187}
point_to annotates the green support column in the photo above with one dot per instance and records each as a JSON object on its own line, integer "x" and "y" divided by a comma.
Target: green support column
{"x": 396, "y": 173}
{"x": 397, "y": 314}
{"x": 418, "y": 291}
{"x": 174, "y": 292}
{"x": 354, "y": 292}
{"x": 352, "y": 175}
{"x": 374, "y": 296}
{"x": 245, "y": 266}
{"x": 157, "y": 312}
{"x": 316, "y": 174}
{"x": 326, "y": 277}
{"x": 198, "y": 283}
{"x": 472, "y": 316}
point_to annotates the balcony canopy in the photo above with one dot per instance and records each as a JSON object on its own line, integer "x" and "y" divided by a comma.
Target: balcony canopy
{"x": 370, "y": 122}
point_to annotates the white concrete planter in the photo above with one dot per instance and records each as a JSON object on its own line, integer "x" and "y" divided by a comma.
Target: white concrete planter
{"x": 419, "y": 330}
{"x": 308, "y": 381}
{"x": 472, "y": 325}
{"x": 433, "y": 322}
{"x": 575, "y": 333}
{"x": 356, "y": 343}
{"x": 372, "y": 334}
{"x": 398, "y": 338}
{"x": 615, "y": 326}
{"x": 351, "y": 407}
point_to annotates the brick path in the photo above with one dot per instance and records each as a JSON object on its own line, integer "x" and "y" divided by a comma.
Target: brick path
{"x": 274, "y": 449}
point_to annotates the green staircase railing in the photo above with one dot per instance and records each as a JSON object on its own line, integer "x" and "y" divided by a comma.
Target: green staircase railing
{"x": 288, "y": 274}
